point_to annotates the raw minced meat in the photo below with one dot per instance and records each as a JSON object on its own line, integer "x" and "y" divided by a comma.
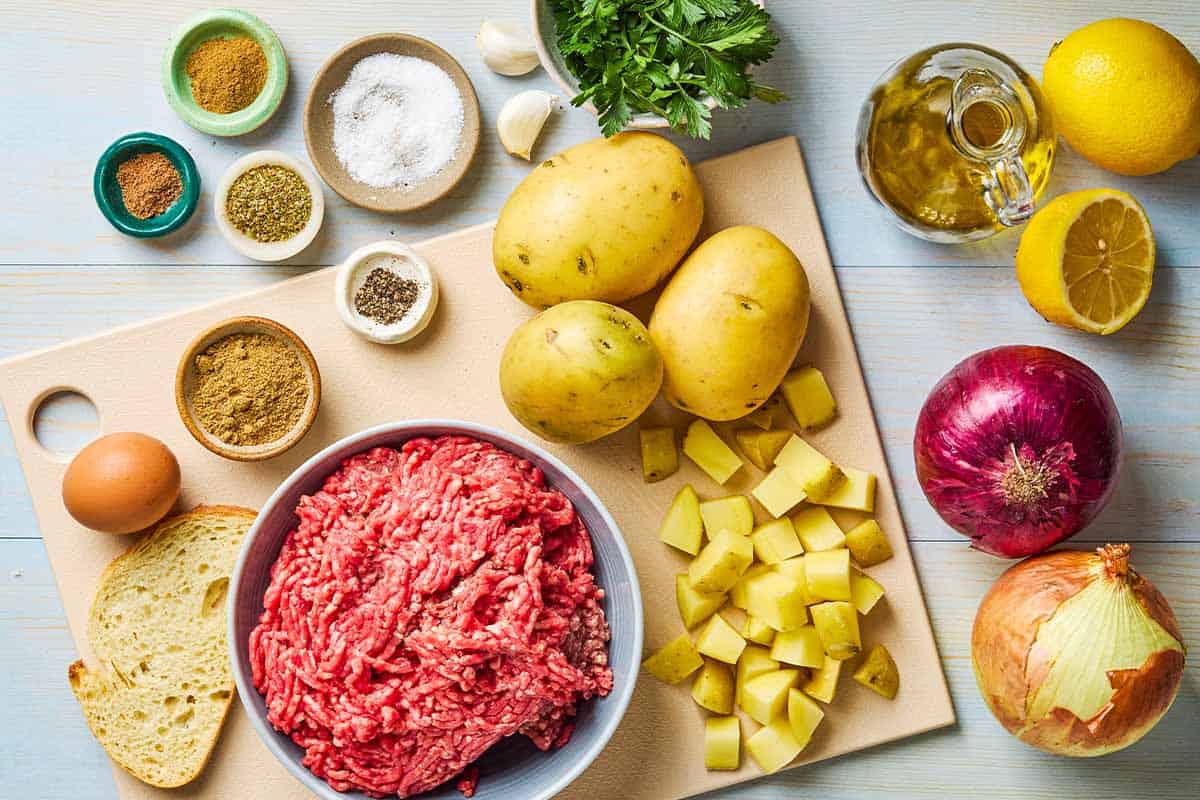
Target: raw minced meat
{"x": 431, "y": 601}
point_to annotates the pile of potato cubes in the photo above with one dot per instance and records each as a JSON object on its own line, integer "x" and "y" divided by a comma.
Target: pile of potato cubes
{"x": 796, "y": 578}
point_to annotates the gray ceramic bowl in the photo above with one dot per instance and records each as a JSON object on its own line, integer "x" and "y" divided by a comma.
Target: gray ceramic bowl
{"x": 514, "y": 769}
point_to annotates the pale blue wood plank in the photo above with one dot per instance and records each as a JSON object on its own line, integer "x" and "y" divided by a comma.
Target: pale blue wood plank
{"x": 831, "y": 55}
{"x": 47, "y": 752}
{"x": 911, "y": 326}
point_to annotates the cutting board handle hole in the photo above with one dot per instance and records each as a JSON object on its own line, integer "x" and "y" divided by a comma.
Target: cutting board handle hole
{"x": 62, "y": 421}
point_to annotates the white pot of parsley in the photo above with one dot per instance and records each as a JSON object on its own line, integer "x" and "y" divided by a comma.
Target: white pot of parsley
{"x": 656, "y": 63}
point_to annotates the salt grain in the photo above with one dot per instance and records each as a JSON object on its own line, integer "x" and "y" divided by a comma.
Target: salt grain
{"x": 398, "y": 121}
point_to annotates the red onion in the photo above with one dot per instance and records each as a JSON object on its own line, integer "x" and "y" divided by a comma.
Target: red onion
{"x": 1018, "y": 448}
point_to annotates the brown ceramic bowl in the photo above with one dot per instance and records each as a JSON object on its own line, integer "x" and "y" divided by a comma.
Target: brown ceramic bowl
{"x": 318, "y": 124}
{"x": 185, "y": 382}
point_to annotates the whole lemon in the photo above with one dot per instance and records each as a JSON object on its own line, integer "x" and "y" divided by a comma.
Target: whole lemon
{"x": 1125, "y": 95}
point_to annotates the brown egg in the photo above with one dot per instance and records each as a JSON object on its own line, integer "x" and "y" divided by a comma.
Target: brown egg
{"x": 121, "y": 483}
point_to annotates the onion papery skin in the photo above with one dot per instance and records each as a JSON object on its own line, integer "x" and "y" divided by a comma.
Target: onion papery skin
{"x": 1012, "y": 659}
{"x": 1018, "y": 448}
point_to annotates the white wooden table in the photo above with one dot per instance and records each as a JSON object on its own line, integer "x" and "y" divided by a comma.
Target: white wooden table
{"x": 78, "y": 75}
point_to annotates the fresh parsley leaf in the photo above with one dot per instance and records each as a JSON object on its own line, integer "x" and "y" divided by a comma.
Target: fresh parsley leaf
{"x": 664, "y": 57}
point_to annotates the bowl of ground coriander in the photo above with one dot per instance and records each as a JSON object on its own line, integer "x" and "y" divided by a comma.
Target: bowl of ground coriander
{"x": 224, "y": 72}
{"x": 248, "y": 388}
{"x": 146, "y": 185}
{"x": 268, "y": 205}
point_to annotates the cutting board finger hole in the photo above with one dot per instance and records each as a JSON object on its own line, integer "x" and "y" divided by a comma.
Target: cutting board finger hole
{"x": 62, "y": 420}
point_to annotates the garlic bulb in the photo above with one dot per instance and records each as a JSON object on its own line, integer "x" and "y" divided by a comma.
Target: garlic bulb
{"x": 521, "y": 120}
{"x": 506, "y": 48}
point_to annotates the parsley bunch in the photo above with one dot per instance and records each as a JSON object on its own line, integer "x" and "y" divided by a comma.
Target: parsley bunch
{"x": 664, "y": 56}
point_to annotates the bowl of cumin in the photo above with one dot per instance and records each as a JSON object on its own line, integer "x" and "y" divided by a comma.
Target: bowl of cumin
{"x": 247, "y": 389}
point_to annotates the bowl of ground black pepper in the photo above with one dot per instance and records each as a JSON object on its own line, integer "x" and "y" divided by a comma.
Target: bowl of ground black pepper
{"x": 268, "y": 205}
{"x": 248, "y": 388}
{"x": 224, "y": 72}
{"x": 146, "y": 185}
{"x": 386, "y": 292}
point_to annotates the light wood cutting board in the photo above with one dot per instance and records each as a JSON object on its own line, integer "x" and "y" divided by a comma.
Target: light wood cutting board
{"x": 451, "y": 371}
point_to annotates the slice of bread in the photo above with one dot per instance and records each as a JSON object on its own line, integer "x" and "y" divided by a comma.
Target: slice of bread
{"x": 157, "y": 627}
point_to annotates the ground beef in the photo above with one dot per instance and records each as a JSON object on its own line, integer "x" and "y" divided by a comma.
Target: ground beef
{"x": 430, "y": 602}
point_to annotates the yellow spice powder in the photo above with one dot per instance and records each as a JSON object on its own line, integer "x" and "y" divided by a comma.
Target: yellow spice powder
{"x": 250, "y": 389}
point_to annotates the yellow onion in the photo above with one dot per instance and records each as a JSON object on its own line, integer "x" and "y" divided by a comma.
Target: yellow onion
{"x": 1076, "y": 653}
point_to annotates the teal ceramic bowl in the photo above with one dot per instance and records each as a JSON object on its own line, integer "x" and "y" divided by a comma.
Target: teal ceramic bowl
{"x": 108, "y": 193}
{"x": 227, "y": 23}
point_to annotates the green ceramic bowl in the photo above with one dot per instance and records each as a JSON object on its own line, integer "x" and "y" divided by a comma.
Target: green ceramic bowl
{"x": 226, "y": 23}
{"x": 108, "y": 193}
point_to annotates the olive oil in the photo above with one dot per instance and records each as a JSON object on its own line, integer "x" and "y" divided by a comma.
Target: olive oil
{"x": 956, "y": 142}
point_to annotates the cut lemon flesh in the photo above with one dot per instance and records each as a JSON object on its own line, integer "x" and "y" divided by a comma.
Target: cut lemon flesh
{"x": 1086, "y": 260}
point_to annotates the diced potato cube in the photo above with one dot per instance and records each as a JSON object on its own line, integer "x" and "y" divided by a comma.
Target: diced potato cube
{"x": 837, "y": 623}
{"x": 683, "y": 528}
{"x": 722, "y": 743}
{"x": 765, "y": 696}
{"x": 768, "y": 415}
{"x": 822, "y": 685}
{"x": 878, "y": 673}
{"x": 710, "y": 453}
{"x": 800, "y": 648}
{"x": 774, "y": 746}
{"x": 865, "y": 591}
{"x": 755, "y": 661}
{"x": 808, "y": 397}
{"x": 868, "y": 544}
{"x": 828, "y": 575}
{"x": 775, "y": 541}
{"x": 794, "y": 569}
{"x": 761, "y": 447}
{"x": 803, "y": 715}
{"x": 695, "y": 606}
{"x": 777, "y": 600}
{"x": 713, "y": 687}
{"x": 660, "y": 459}
{"x": 817, "y": 530}
{"x": 778, "y": 493}
{"x": 757, "y": 631}
{"x": 731, "y": 513}
{"x": 675, "y": 661}
{"x": 856, "y": 493}
{"x": 721, "y": 562}
{"x": 812, "y": 471}
{"x": 737, "y": 595}
{"x": 719, "y": 640}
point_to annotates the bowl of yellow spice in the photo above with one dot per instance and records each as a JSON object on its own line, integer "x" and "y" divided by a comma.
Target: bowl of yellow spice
{"x": 248, "y": 388}
{"x": 224, "y": 72}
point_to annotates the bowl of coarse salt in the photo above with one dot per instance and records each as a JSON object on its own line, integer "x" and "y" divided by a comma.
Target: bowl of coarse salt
{"x": 385, "y": 292}
{"x": 392, "y": 122}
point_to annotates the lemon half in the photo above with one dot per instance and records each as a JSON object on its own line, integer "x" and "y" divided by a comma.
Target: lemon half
{"x": 1086, "y": 260}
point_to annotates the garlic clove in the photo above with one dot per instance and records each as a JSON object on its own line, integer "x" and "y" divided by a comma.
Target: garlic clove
{"x": 506, "y": 48}
{"x": 521, "y": 120}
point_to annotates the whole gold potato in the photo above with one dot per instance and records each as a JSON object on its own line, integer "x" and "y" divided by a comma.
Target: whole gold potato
{"x": 730, "y": 322}
{"x": 605, "y": 220}
{"x": 579, "y": 371}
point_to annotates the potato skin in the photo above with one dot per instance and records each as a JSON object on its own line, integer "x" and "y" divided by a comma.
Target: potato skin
{"x": 730, "y": 322}
{"x": 579, "y": 371}
{"x": 605, "y": 220}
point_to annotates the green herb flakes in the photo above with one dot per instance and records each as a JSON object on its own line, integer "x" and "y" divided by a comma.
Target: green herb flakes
{"x": 664, "y": 56}
{"x": 269, "y": 203}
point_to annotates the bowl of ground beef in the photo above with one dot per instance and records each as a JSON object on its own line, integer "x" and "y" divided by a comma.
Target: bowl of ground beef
{"x": 435, "y": 608}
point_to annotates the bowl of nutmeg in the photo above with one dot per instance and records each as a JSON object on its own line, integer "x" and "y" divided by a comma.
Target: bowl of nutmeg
{"x": 248, "y": 388}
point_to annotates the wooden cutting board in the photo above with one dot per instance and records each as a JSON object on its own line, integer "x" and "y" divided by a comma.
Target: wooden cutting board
{"x": 451, "y": 371}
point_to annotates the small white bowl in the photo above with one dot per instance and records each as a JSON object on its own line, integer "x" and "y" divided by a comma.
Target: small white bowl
{"x": 541, "y": 14}
{"x": 269, "y": 251}
{"x": 396, "y": 257}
